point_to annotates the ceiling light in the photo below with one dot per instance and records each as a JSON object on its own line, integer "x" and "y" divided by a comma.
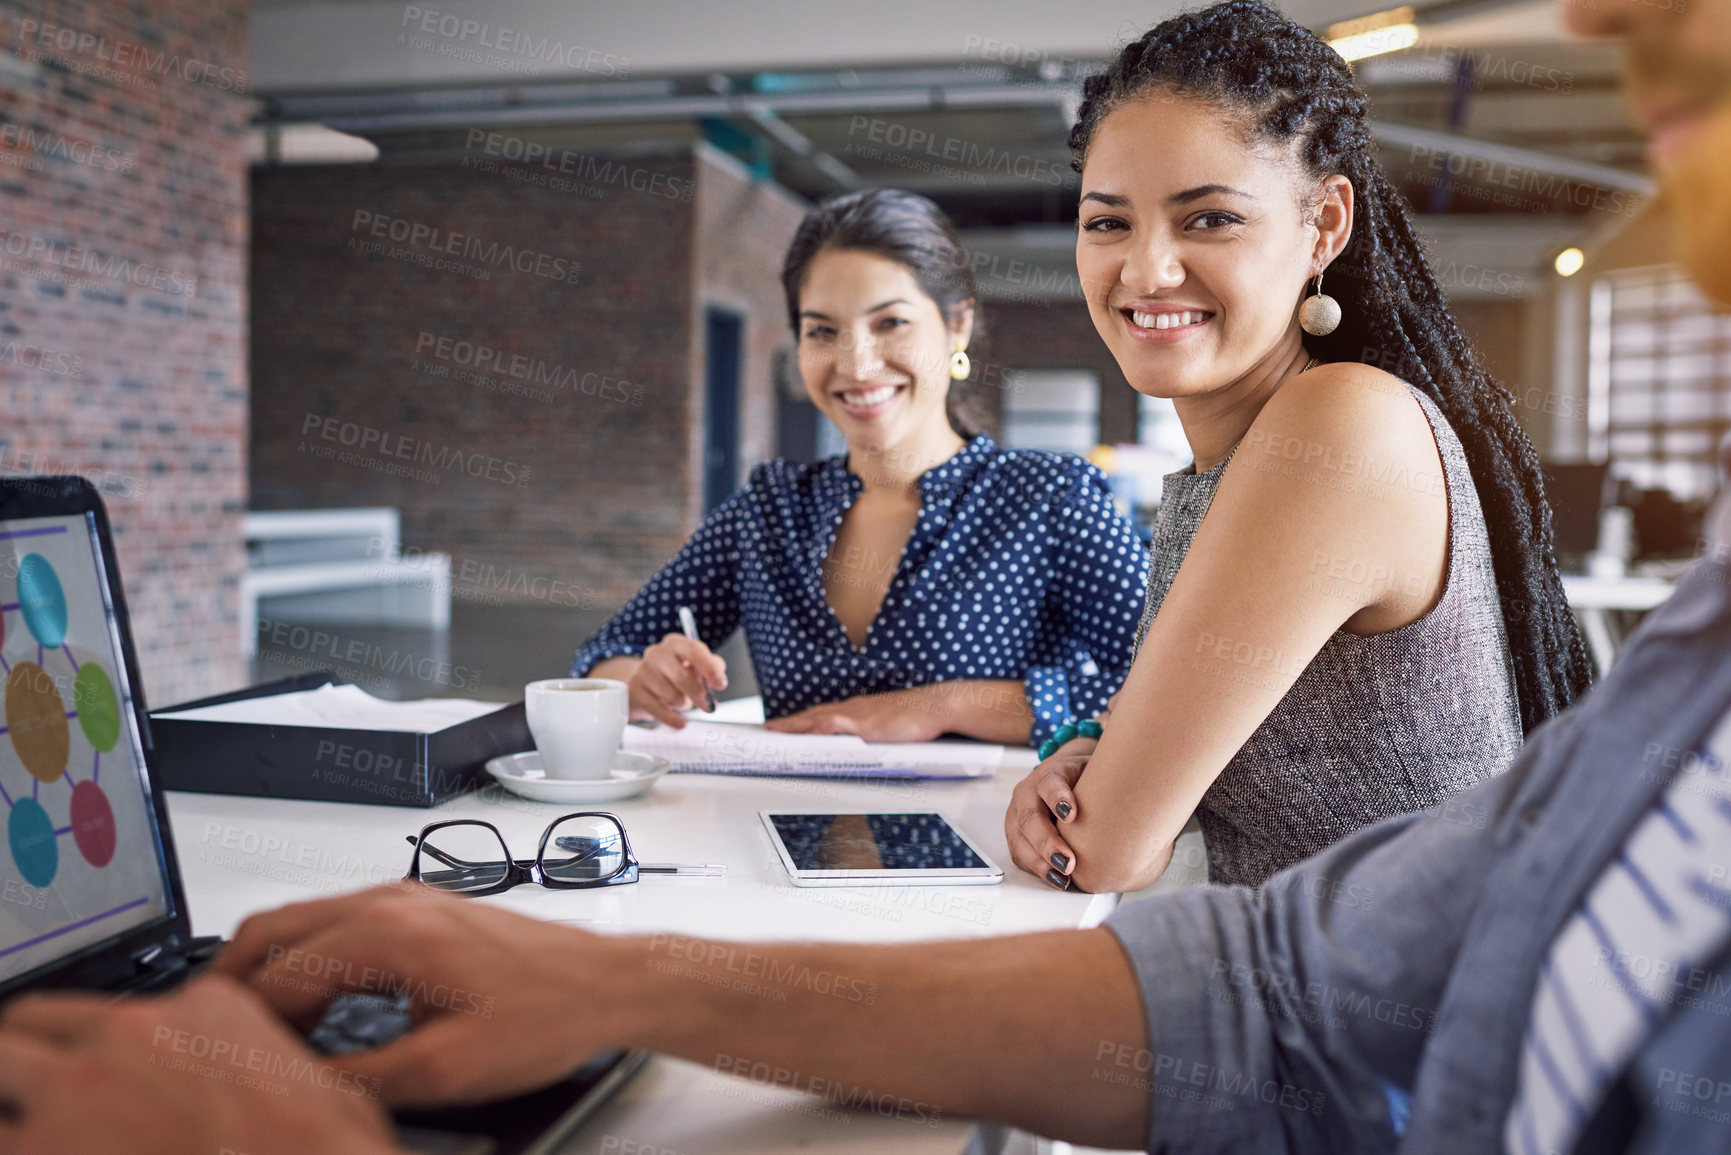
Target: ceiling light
{"x": 1570, "y": 262}
{"x": 1373, "y": 35}
{"x": 307, "y": 144}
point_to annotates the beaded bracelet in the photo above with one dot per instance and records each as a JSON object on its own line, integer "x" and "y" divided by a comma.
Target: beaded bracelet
{"x": 1069, "y": 731}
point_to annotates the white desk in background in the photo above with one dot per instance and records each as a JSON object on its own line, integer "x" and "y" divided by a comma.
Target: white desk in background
{"x": 1595, "y": 599}
{"x": 242, "y": 855}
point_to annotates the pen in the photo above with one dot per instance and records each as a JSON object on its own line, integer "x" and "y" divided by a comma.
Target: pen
{"x": 589, "y": 846}
{"x": 688, "y": 625}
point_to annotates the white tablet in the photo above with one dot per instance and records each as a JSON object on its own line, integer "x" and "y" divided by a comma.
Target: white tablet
{"x": 876, "y": 848}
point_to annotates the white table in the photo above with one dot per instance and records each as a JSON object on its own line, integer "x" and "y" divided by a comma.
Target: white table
{"x": 243, "y": 855}
{"x": 1595, "y": 599}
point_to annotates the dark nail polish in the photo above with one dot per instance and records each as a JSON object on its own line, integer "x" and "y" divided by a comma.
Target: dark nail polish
{"x": 1060, "y": 860}
{"x": 1063, "y": 810}
{"x": 1057, "y": 880}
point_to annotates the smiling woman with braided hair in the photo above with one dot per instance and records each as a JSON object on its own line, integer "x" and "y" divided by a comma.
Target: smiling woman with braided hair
{"x": 1353, "y": 608}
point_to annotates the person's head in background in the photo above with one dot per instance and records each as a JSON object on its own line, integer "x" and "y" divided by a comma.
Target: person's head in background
{"x": 1677, "y": 69}
{"x": 1226, "y": 160}
{"x": 881, "y": 296}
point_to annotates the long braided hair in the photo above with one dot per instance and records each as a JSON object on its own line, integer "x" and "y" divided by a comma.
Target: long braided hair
{"x": 1289, "y": 87}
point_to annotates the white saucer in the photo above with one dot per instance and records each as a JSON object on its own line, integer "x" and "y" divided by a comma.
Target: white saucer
{"x": 632, "y": 774}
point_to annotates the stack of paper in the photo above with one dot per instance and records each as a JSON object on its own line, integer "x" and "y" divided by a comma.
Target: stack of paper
{"x": 343, "y": 708}
{"x": 700, "y": 748}
{"x": 737, "y": 748}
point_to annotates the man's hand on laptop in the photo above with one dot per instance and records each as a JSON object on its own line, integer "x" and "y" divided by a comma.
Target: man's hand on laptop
{"x": 498, "y": 1000}
{"x": 208, "y": 1068}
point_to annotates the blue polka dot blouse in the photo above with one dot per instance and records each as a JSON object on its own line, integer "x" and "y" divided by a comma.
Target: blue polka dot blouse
{"x": 1019, "y": 567}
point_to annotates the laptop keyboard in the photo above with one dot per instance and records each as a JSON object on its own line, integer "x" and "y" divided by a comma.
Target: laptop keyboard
{"x": 360, "y": 1022}
{"x": 172, "y": 970}
{"x": 353, "y": 1022}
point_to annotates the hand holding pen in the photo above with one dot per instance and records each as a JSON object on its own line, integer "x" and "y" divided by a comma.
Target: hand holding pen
{"x": 675, "y": 674}
{"x": 688, "y": 626}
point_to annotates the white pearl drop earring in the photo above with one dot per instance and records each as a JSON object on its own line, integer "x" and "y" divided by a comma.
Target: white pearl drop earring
{"x": 1320, "y": 314}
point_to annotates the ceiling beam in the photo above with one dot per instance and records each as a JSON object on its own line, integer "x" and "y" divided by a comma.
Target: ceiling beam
{"x": 1451, "y": 144}
{"x": 362, "y": 115}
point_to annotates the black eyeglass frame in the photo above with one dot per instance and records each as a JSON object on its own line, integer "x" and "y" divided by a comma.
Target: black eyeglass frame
{"x": 519, "y": 871}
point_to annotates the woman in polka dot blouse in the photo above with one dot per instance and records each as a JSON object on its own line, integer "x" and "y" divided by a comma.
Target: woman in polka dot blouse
{"x": 927, "y": 583}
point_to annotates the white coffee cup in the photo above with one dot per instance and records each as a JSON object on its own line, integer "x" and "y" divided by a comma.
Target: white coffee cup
{"x": 577, "y": 724}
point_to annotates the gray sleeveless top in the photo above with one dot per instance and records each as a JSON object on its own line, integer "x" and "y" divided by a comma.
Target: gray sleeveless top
{"x": 1374, "y": 726}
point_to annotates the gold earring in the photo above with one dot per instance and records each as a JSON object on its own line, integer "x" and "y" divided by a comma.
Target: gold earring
{"x": 1320, "y": 314}
{"x": 960, "y": 365}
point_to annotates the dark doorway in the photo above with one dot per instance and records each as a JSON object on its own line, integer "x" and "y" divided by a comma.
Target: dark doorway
{"x": 724, "y": 347}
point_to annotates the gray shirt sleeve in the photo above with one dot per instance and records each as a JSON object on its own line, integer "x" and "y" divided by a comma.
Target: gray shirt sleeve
{"x": 1294, "y": 1018}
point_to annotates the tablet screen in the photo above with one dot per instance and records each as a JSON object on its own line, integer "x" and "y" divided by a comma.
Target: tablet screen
{"x": 874, "y": 842}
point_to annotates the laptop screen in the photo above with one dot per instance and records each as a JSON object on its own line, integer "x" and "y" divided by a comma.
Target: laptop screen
{"x": 82, "y": 862}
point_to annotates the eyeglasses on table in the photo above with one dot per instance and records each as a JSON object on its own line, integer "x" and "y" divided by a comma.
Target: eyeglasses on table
{"x": 586, "y": 849}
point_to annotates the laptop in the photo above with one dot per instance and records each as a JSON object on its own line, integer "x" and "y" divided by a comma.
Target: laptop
{"x": 90, "y": 891}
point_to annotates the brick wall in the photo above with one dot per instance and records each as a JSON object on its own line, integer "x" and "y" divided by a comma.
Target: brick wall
{"x": 743, "y": 230}
{"x": 1055, "y": 335}
{"x": 123, "y": 299}
{"x": 371, "y": 386}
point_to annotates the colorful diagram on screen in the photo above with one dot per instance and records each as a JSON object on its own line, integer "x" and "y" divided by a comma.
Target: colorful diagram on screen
{"x": 61, "y": 716}
{"x": 82, "y": 862}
